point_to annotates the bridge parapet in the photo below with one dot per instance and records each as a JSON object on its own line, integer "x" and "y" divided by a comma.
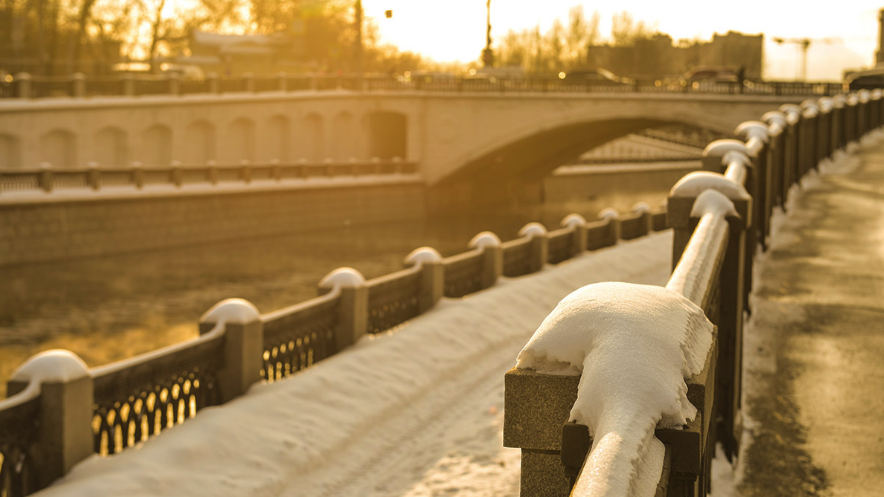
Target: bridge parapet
{"x": 136, "y": 399}
{"x": 718, "y": 217}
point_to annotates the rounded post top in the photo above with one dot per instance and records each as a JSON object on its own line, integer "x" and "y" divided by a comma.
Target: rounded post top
{"x": 852, "y": 99}
{"x": 572, "y": 220}
{"x": 839, "y": 100}
{"x": 641, "y": 207}
{"x": 533, "y": 229}
{"x": 790, "y": 109}
{"x": 720, "y": 147}
{"x": 825, "y": 104}
{"x": 423, "y": 255}
{"x": 344, "y": 277}
{"x": 752, "y": 129}
{"x": 876, "y": 94}
{"x": 484, "y": 239}
{"x": 863, "y": 95}
{"x": 609, "y": 213}
{"x": 695, "y": 183}
{"x": 52, "y": 366}
{"x": 774, "y": 116}
{"x": 231, "y": 311}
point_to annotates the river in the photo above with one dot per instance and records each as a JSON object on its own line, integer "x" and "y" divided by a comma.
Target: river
{"x": 109, "y": 308}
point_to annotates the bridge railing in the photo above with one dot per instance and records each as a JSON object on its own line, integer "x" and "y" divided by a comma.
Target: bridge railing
{"x": 135, "y": 177}
{"x": 126, "y": 403}
{"x": 720, "y": 218}
{"x": 26, "y": 86}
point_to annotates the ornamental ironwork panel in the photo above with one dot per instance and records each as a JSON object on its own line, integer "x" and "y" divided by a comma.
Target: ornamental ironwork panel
{"x": 392, "y": 300}
{"x": 517, "y": 257}
{"x": 139, "y": 398}
{"x": 298, "y": 339}
{"x": 18, "y": 432}
{"x": 559, "y": 245}
{"x": 463, "y": 274}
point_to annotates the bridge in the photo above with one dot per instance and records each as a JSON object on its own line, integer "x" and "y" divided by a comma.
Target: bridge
{"x": 455, "y": 134}
{"x": 59, "y": 411}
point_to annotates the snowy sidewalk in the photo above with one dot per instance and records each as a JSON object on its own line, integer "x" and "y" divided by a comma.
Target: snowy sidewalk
{"x": 815, "y": 384}
{"x": 413, "y": 413}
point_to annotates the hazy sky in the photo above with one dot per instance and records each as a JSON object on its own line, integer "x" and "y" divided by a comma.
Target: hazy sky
{"x": 846, "y": 32}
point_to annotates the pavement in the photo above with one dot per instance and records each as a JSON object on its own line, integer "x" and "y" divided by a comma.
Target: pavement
{"x": 814, "y": 375}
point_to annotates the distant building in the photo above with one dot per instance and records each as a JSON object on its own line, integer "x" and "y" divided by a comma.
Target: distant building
{"x": 658, "y": 58}
{"x": 228, "y": 54}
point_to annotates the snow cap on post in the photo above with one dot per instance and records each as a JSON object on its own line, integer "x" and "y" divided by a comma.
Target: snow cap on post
{"x": 51, "y": 366}
{"x": 693, "y": 184}
{"x": 876, "y": 94}
{"x": 641, "y": 207}
{"x": 484, "y": 239}
{"x": 752, "y": 129}
{"x": 532, "y": 229}
{"x": 809, "y": 109}
{"x": 863, "y": 95}
{"x": 713, "y": 202}
{"x": 423, "y": 255}
{"x": 343, "y": 277}
{"x": 789, "y": 109}
{"x": 609, "y": 213}
{"x": 231, "y": 311}
{"x": 775, "y": 116}
{"x": 839, "y": 100}
{"x": 572, "y": 220}
{"x": 852, "y": 99}
{"x": 634, "y": 346}
{"x": 825, "y": 104}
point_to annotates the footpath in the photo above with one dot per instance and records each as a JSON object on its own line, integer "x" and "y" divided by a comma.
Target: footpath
{"x": 814, "y": 376}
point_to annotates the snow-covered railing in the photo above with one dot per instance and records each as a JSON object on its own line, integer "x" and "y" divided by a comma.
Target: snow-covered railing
{"x": 585, "y": 402}
{"x": 26, "y": 86}
{"x": 181, "y": 178}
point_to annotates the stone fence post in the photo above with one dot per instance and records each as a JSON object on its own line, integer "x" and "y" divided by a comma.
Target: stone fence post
{"x": 578, "y": 225}
{"x": 243, "y": 345}
{"x": 78, "y": 85}
{"x": 64, "y": 434}
{"x": 174, "y": 84}
{"x": 492, "y": 257}
{"x": 353, "y": 315}
{"x": 24, "y": 85}
{"x": 432, "y": 276}
{"x": 45, "y": 176}
{"x": 839, "y": 102}
{"x": 613, "y": 217}
{"x": 212, "y": 83}
{"x": 731, "y": 289}
{"x": 128, "y": 85}
{"x": 539, "y": 245}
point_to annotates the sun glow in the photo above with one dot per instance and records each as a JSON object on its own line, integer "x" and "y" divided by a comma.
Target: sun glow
{"x": 452, "y": 30}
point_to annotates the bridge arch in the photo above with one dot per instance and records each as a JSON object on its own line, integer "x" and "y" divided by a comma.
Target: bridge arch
{"x": 240, "y": 140}
{"x": 313, "y": 138}
{"x": 10, "y": 151}
{"x": 387, "y": 134}
{"x": 156, "y": 146}
{"x": 278, "y": 133}
{"x": 200, "y": 142}
{"x": 59, "y": 148}
{"x": 532, "y": 149}
{"x": 110, "y": 147}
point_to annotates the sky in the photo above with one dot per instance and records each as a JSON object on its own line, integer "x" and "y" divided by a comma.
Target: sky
{"x": 844, "y": 34}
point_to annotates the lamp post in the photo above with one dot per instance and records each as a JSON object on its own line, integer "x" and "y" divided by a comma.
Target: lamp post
{"x": 358, "y": 42}
{"x": 487, "y": 53}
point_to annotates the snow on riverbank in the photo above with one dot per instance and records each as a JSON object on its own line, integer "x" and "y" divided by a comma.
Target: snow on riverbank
{"x": 411, "y": 413}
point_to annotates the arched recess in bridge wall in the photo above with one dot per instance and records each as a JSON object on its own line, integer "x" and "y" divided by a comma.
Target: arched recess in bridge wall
{"x": 156, "y": 146}
{"x": 240, "y": 140}
{"x": 529, "y": 150}
{"x": 200, "y": 143}
{"x": 111, "y": 147}
{"x": 388, "y": 135}
{"x": 58, "y": 148}
{"x": 278, "y": 141}
{"x": 10, "y": 152}
{"x": 343, "y": 136}
{"x": 313, "y": 139}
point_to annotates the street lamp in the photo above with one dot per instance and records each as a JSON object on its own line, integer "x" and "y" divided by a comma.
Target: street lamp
{"x": 487, "y": 53}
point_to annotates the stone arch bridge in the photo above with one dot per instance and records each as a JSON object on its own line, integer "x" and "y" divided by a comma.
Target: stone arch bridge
{"x": 453, "y": 137}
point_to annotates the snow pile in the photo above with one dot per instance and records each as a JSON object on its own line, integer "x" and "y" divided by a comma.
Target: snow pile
{"x": 634, "y": 346}
{"x": 411, "y": 413}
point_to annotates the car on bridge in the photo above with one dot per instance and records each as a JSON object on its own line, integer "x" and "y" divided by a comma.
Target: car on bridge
{"x": 595, "y": 77}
